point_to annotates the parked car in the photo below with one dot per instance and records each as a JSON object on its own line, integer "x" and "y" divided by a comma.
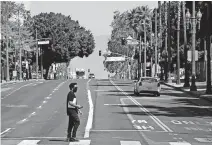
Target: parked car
{"x": 147, "y": 85}
{"x": 91, "y": 75}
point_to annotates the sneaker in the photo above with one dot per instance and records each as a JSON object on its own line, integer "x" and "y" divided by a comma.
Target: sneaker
{"x": 67, "y": 140}
{"x": 74, "y": 140}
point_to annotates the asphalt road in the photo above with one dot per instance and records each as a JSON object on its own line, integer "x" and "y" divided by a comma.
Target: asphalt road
{"x": 34, "y": 113}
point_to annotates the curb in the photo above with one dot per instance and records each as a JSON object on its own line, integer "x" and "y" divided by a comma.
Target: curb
{"x": 10, "y": 82}
{"x": 190, "y": 93}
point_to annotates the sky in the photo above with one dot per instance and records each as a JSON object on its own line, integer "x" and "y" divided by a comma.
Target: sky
{"x": 93, "y": 15}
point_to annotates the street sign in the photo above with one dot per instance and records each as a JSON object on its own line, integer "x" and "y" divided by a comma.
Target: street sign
{"x": 14, "y": 73}
{"x": 189, "y": 55}
{"x": 43, "y": 42}
{"x": 132, "y": 42}
{"x": 115, "y": 59}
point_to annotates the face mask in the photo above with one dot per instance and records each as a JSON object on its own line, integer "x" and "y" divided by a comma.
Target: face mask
{"x": 75, "y": 89}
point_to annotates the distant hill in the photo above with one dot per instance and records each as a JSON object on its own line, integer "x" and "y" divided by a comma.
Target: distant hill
{"x": 94, "y": 62}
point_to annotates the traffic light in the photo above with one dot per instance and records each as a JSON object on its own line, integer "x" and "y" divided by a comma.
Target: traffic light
{"x": 100, "y": 53}
{"x": 88, "y": 70}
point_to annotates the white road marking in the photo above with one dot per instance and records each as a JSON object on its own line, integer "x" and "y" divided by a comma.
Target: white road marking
{"x": 130, "y": 142}
{"x": 154, "y": 118}
{"x": 44, "y": 102}
{"x": 29, "y": 142}
{"x": 14, "y": 106}
{"x": 39, "y": 107}
{"x": 32, "y": 114}
{"x": 8, "y": 129}
{"x": 90, "y": 114}
{"x": 81, "y": 142}
{"x": 22, "y": 121}
{"x": 16, "y": 90}
{"x": 119, "y": 130}
{"x": 114, "y": 104}
{"x": 48, "y": 97}
{"x": 204, "y": 139}
{"x": 179, "y": 143}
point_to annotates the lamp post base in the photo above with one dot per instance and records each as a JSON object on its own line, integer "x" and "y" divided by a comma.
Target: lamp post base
{"x": 193, "y": 86}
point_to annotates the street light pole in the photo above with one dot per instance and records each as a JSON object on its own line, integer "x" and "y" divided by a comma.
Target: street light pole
{"x": 166, "y": 37}
{"x": 178, "y": 44}
{"x": 20, "y": 50}
{"x": 7, "y": 53}
{"x": 36, "y": 54}
{"x": 193, "y": 86}
{"x": 151, "y": 45}
{"x": 156, "y": 53}
{"x": 169, "y": 44}
{"x": 186, "y": 80}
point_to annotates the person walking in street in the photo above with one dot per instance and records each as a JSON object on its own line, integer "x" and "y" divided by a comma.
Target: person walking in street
{"x": 72, "y": 111}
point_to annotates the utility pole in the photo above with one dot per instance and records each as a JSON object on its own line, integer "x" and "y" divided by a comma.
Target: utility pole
{"x": 36, "y": 54}
{"x": 186, "y": 80}
{"x": 41, "y": 50}
{"x": 144, "y": 47}
{"x": 166, "y": 37}
{"x": 156, "y": 52}
{"x": 178, "y": 43}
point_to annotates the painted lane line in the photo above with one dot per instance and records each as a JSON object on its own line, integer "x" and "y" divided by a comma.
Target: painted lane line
{"x": 154, "y": 118}
{"x": 157, "y": 121}
{"x": 130, "y": 143}
{"x": 32, "y": 114}
{"x": 8, "y": 129}
{"x": 15, "y": 90}
{"x": 50, "y": 94}
{"x": 29, "y": 142}
{"x": 14, "y": 106}
{"x": 44, "y": 102}
{"x": 179, "y": 143}
{"x": 139, "y": 108}
{"x": 90, "y": 114}
{"x": 39, "y": 107}
{"x": 81, "y": 142}
{"x": 48, "y": 98}
{"x": 22, "y": 121}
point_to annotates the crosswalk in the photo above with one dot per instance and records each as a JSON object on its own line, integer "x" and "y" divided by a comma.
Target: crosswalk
{"x": 82, "y": 142}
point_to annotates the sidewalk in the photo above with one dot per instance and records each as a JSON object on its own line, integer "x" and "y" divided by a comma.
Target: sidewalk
{"x": 201, "y": 88}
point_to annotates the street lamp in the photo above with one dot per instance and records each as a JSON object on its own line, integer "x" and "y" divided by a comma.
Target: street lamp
{"x": 193, "y": 23}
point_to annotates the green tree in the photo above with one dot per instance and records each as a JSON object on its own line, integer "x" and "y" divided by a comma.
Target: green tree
{"x": 67, "y": 38}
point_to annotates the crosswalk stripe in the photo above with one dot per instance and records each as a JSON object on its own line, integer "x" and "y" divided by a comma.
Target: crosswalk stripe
{"x": 81, "y": 142}
{"x": 29, "y": 142}
{"x": 179, "y": 143}
{"x": 130, "y": 142}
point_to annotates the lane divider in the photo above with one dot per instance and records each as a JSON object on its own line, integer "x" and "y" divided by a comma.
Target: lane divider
{"x": 154, "y": 118}
{"x": 90, "y": 114}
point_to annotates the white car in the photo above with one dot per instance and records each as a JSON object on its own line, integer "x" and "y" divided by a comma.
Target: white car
{"x": 147, "y": 85}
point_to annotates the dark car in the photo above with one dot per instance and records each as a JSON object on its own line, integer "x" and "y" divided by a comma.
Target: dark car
{"x": 91, "y": 76}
